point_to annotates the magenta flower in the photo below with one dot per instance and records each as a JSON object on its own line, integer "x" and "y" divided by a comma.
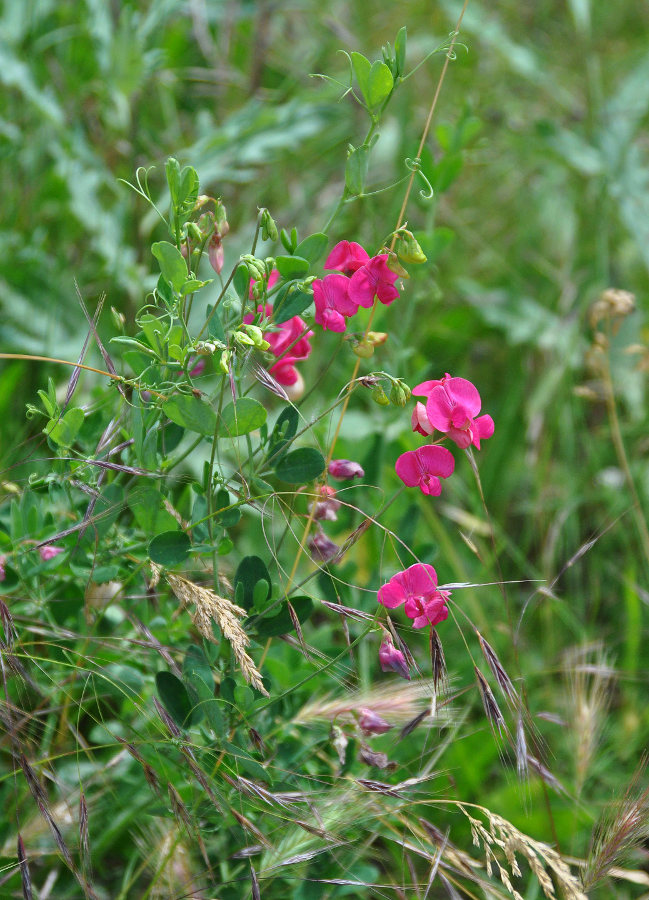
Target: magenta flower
{"x": 451, "y": 408}
{"x": 416, "y": 587}
{"x": 292, "y": 332}
{"x": 345, "y": 469}
{"x": 424, "y": 467}
{"x": 49, "y": 552}
{"x": 393, "y": 660}
{"x": 371, "y": 722}
{"x": 373, "y": 279}
{"x": 420, "y": 421}
{"x": 332, "y": 302}
{"x": 346, "y": 257}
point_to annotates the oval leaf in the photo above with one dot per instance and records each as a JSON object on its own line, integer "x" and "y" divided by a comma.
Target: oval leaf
{"x": 281, "y": 622}
{"x": 312, "y": 247}
{"x": 251, "y": 571}
{"x": 241, "y": 417}
{"x": 191, "y": 413}
{"x": 172, "y": 263}
{"x": 175, "y": 698}
{"x": 169, "y": 548}
{"x": 292, "y": 266}
{"x": 300, "y": 466}
{"x": 380, "y": 84}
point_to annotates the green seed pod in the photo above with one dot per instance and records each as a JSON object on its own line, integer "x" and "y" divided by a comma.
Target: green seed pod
{"x": 256, "y": 267}
{"x": 409, "y": 250}
{"x": 364, "y": 349}
{"x": 398, "y": 395}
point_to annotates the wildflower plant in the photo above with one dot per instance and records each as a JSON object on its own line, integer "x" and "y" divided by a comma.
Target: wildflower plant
{"x": 201, "y": 496}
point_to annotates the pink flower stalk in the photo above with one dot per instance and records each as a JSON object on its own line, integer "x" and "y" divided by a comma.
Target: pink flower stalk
{"x": 332, "y": 302}
{"x": 371, "y": 722}
{"x": 293, "y": 330}
{"x": 373, "y": 279}
{"x": 327, "y": 507}
{"x": 345, "y": 469}
{"x": 322, "y": 548}
{"x": 393, "y": 660}
{"x": 424, "y": 467}
{"x": 416, "y": 587}
{"x": 452, "y": 407}
{"x": 346, "y": 257}
{"x": 49, "y": 552}
{"x": 420, "y": 421}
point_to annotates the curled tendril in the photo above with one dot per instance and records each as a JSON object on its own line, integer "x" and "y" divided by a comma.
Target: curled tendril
{"x": 451, "y": 54}
{"x": 415, "y": 166}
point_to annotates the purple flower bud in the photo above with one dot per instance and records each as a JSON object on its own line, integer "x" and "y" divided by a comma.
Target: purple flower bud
{"x": 345, "y": 469}
{"x": 327, "y": 507}
{"x": 322, "y": 549}
{"x": 371, "y": 722}
{"x": 49, "y": 552}
{"x": 393, "y": 660}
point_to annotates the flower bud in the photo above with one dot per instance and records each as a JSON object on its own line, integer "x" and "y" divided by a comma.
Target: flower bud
{"x": 49, "y": 552}
{"x": 400, "y": 393}
{"x": 243, "y": 339}
{"x": 391, "y": 659}
{"x": 379, "y": 396}
{"x": 376, "y": 337}
{"x": 256, "y": 267}
{"x": 255, "y": 332}
{"x": 409, "y": 250}
{"x": 345, "y": 469}
{"x": 221, "y": 219}
{"x": 215, "y": 254}
{"x": 224, "y": 362}
{"x": 395, "y": 266}
{"x": 327, "y": 506}
{"x": 195, "y": 233}
{"x": 257, "y": 290}
{"x": 322, "y": 548}
{"x": 364, "y": 349}
{"x": 371, "y": 722}
{"x": 206, "y": 224}
{"x": 268, "y": 226}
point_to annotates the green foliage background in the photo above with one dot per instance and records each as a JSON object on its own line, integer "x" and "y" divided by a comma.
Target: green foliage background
{"x": 539, "y": 158}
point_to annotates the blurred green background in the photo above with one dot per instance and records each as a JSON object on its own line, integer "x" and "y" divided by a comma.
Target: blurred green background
{"x": 539, "y": 156}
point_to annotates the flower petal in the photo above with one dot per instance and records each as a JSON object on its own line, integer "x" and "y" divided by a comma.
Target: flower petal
{"x": 407, "y": 468}
{"x": 465, "y": 394}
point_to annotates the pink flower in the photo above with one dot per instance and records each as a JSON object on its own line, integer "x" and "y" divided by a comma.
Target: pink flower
{"x": 327, "y": 507}
{"x": 273, "y": 278}
{"x": 345, "y": 469}
{"x": 322, "y": 548}
{"x": 49, "y": 552}
{"x": 332, "y": 302}
{"x": 451, "y": 407}
{"x": 371, "y": 722}
{"x": 346, "y": 257}
{"x": 420, "y": 421}
{"x": 424, "y": 467}
{"x": 416, "y": 587}
{"x": 215, "y": 253}
{"x": 3, "y": 574}
{"x": 393, "y": 660}
{"x": 292, "y": 332}
{"x": 373, "y": 279}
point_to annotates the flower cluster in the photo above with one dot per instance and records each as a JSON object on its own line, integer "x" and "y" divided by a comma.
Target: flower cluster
{"x": 416, "y": 588}
{"x": 357, "y": 281}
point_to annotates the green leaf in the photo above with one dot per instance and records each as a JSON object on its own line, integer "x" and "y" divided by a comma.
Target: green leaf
{"x": 192, "y": 413}
{"x": 175, "y": 698}
{"x": 400, "y": 50}
{"x": 197, "y": 674}
{"x": 251, "y": 570}
{"x": 229, "y": 517}
{"x": 356, "y": 170}
{"x": 362, "y": 68}
{"x": 169, "y": 548}
{"x": 281, "y": 622}
{"x": 300, "y": 466}
{"x": 290, "y": 302}
{"x": 241, "y": 282}
{"x": 146, "y": 504}
{"x": 214, "y": 325}
{"x": 193, "y": 284}
{"x": 380, "y": 84}
{"x": 63, "y": 431}
{"x": 172, "y": 264}
{"x": 292, "y": 266}
{"x": 284, "y": 430}
{"x": 241, "y": 417}
{"x": 312, "y": 247}
{"x": 155, "y": 330}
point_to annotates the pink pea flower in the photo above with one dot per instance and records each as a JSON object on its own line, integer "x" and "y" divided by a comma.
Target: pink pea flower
{"x": 322, "y": 548}
{"x": 332, "y": 302}
{"x": 346, "y": 257}
{"x": 420, "y": 421}
{"x": 292, "y": 332}
{"x": 371, "y": 722}
{"x": 416, "y": 587}
{"x": 425, "y": 388}
{"x": 345, "y": 469}
{"x": 451, "y": 408}
{"x": 373, "y": 279}
{"x": 327, "y": 506}
{"x": 391, "y": 659}
{"x": 49, "y": 552}
{"x": 424, "y": 467}
{"x": 215, "y": 253}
